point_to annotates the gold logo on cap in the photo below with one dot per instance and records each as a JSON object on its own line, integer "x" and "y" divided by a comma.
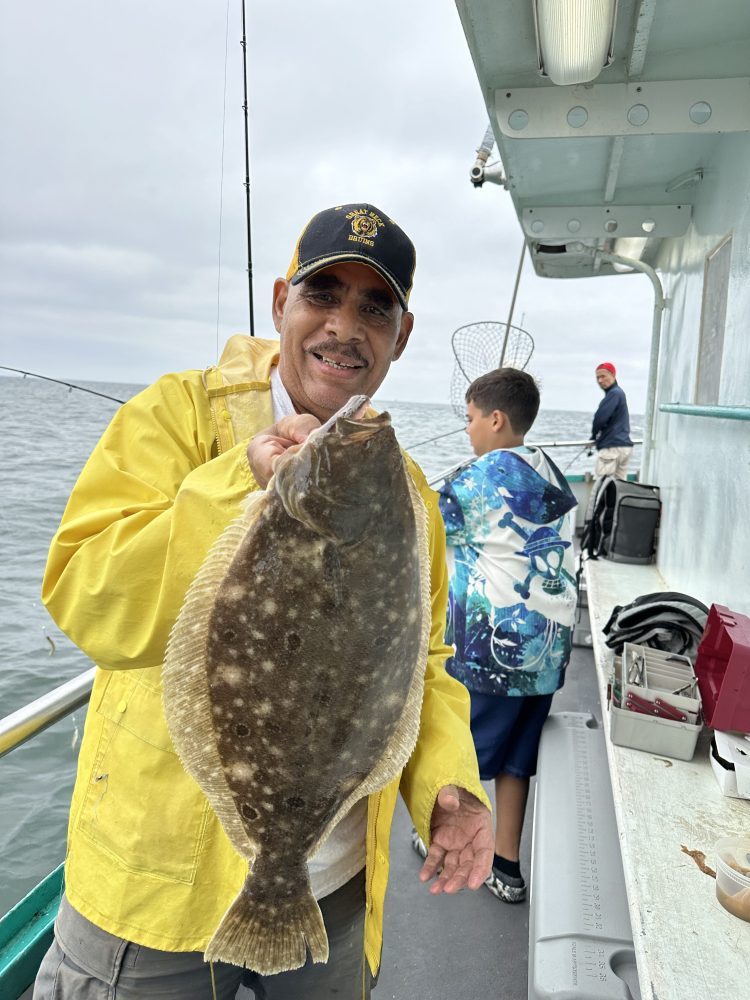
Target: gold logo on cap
{"x": 364, "y": 224}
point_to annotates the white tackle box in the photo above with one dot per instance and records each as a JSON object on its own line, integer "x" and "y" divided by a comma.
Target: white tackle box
{"x": 654, "y": 703}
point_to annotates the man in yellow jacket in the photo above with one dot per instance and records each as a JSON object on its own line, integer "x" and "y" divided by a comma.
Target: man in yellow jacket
{"x": 149, "y": 869}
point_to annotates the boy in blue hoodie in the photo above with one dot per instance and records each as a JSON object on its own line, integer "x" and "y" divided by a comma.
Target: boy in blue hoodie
{"x": 512, "y": 598}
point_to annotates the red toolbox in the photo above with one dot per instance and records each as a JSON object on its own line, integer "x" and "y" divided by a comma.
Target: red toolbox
{"x": 722, "y": 666}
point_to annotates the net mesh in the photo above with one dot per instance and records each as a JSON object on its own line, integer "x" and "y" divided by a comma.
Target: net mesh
{"x": 478, "y": 349}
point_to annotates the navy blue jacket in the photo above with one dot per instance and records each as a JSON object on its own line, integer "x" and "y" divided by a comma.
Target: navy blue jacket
{"x": 611, "y": 427}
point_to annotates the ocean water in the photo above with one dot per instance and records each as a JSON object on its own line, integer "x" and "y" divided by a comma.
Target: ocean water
{"x": 48, "y": 432}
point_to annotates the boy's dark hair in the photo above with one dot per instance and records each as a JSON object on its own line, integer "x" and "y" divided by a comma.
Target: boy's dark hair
{"x": 509, "y": 390}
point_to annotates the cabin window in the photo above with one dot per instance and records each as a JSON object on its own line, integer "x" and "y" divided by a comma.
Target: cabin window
{"x": 713, "y": 320}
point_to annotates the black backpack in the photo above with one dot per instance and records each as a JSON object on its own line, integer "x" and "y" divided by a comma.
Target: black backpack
{"x": 622, "y": 521}
{"x": 664, "y": 620}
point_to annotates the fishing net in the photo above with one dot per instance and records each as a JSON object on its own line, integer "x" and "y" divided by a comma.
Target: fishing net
{"x": 478, "y": 349}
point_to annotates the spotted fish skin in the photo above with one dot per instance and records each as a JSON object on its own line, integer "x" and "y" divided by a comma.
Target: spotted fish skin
{"x": 313, "y": 619}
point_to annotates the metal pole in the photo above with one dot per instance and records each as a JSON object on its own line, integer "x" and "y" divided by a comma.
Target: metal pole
{"x": 653, "y": 368}
{"x": 512, "y": 305}
{"x": 26, "y": 722}
{"x": 247, "y": 178}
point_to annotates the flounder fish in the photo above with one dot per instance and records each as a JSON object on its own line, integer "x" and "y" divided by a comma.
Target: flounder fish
{"x": 294, "y": 673}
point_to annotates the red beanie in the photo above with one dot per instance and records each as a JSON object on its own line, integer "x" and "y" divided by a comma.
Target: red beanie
{"x": 609, "y": 366}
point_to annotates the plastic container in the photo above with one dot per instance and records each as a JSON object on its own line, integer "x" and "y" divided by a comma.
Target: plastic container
{"x": 647, "y": 732}
{"x": 730, "y": 762}
{"x": 733, "y": 875}
{"x": 722, "y": 666}
{"x": 656, "y": 736}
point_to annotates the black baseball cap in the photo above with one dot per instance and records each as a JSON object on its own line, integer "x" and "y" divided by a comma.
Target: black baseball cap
{"x": 359, "y": 233}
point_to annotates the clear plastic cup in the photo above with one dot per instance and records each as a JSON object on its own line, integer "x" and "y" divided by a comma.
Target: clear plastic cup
{"x": 733, "y": 875}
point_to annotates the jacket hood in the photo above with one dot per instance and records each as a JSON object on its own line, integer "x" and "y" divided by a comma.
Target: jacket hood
{"x": 532, "y": 485}
{"x": 243, "y": 355}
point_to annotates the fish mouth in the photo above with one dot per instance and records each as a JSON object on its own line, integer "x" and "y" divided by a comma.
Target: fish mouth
{"x": 355, "y": 430}
{"x": 352, "y": 412}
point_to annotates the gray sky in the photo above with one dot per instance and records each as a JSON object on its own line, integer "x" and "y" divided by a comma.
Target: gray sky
{"x": 111, "y": 118}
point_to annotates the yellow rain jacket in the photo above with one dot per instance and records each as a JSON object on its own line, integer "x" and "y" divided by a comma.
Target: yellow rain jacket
{"x": 147, "y": 858}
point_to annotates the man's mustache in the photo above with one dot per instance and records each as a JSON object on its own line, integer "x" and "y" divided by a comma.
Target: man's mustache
{"x": 337, "y": 350}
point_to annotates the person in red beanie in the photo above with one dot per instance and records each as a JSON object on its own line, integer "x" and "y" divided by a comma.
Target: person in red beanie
{"x": 610, "y": 430}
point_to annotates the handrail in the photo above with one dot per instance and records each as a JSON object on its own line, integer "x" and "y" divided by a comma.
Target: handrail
{"x": 536, "y": 444}
{"x": 718, "y": 412}
{"x": 660, "y": 304}
{"x": 532, "y": 444}
{"x": 570, "y": 444}
{"x": 21, "y": 725}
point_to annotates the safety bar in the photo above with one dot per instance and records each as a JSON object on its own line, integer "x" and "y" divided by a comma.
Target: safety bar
{"x": 536, "y": 444}
{"x": 21, "y": 725}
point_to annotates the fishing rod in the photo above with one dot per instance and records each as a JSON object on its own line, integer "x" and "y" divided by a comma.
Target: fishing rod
{"x": 59, "y": 381}
{"x": 436, "y": 438}
{"x": 575, "y": 458}
{"x": 247, "y": 177}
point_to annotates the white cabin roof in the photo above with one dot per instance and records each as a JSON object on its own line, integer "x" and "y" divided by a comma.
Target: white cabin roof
{"x": 611, "y": 180}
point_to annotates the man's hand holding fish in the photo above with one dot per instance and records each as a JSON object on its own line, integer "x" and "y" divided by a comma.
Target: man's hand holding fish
{"x": 285, "y": 436}
{"x": 259, "y": 573}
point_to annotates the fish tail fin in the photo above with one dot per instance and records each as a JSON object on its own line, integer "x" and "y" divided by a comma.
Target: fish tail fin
{"x": 270, "y": 935}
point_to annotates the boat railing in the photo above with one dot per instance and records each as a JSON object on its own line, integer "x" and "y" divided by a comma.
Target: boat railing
{"x": 26, "y": 722}
{"x": 434, "y": 480}
{"x": 26, "y": 929}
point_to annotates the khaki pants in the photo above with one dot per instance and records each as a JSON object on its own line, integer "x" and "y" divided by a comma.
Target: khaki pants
{"x": 87, "y": 963}
{"x": 612, "y": 462}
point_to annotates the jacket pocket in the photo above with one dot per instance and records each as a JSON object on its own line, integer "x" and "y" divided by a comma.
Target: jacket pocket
{"x": 140, "y": 805}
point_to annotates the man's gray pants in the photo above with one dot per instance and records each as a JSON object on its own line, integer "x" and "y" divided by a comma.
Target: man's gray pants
{"x": 86, "y": 963}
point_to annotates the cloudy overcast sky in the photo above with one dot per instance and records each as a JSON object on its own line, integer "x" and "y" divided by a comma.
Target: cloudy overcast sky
{"x": 111, "y": 168}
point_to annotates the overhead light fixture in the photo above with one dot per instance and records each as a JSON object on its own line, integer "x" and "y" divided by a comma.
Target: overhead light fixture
{"x": 574, "y": 38}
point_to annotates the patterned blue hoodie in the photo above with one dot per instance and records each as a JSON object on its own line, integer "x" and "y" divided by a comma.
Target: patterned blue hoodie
{"x": 510, "y": 557}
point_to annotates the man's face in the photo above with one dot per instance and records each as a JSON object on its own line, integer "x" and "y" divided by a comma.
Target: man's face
{"x": 340, "y": 329}
{"x": 604, "y": 377}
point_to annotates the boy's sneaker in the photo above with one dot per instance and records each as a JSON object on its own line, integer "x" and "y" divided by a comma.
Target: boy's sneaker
{"x": 418, "y": 844}
{"x": 506, "y": 887}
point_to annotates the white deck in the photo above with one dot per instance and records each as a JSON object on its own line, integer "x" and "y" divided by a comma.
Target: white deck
{"x": 686, "y": 944}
